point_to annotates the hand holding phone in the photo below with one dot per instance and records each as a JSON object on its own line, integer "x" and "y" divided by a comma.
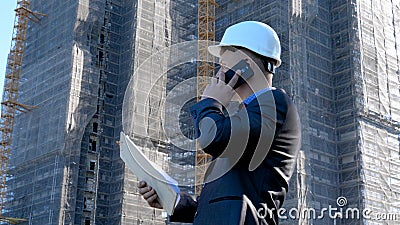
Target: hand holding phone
{"x": 247, "y": 72}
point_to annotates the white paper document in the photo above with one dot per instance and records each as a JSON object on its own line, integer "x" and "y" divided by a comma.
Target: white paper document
{"x": 166, "y": 187}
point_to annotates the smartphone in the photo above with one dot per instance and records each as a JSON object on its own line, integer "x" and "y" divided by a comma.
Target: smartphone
{"x": 247, "y": 72}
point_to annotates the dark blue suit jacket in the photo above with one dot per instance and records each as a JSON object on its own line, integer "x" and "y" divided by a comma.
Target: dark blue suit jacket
{"x": 254, "y": 154}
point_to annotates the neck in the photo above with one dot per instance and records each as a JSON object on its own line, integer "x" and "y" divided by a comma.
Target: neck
{"x": 258, "y": 83}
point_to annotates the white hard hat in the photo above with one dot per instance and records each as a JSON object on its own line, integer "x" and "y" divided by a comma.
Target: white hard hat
{"x": 255, "y": 36}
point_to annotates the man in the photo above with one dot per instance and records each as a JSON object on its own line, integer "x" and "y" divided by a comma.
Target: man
{"x": 254, "y": 150}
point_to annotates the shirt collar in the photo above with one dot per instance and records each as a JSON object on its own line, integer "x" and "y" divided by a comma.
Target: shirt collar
{"x": 258, "y": 93}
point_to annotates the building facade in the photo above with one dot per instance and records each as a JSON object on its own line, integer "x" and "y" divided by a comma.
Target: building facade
{"x": 341, "y": 68}
{"x": 65, "y": 166}
{"x": 340, "y": 65}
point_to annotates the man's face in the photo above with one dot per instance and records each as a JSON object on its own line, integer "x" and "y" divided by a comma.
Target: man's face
{"x": 229, "y": 57}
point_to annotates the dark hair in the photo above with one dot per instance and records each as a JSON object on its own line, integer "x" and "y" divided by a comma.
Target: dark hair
{"x": 268, "y": 63}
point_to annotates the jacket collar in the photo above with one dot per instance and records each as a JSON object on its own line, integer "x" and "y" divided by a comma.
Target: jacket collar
{"x": 258, "y": 93}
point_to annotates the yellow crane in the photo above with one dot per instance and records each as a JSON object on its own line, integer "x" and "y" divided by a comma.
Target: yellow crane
{"x": 205, "y": 68}
{"x": 10, "y": 105}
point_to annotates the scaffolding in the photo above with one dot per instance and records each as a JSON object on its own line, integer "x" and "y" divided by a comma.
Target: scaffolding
{"x": 332, "y": 53}
{"x": 158, "y": 26}
{"x": 379, "y": 114}
{"x": 340, "y": 66}
{"x": 10, "y": 105}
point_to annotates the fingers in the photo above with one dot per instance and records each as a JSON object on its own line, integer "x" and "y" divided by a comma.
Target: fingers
{"x": 144, "y": 189}
{"x": 152, "y": 198}
{"x": 235, "y": 78}
{"x": 150, "y": 193}
{"x": 142, "y": 184}
{"x": 221, "y": 75}
{"x": 215, "y": 79}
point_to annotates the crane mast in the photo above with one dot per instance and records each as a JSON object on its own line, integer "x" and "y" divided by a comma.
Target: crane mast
{"x": 10, "y": 106}
{"x": 205, "y": 68}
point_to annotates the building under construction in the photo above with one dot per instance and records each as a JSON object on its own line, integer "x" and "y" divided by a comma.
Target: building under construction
{"x": 340, "y": 65}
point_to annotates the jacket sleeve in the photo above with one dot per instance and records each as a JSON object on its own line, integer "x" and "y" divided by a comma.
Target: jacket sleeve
{"x": 185, "y": 210}
{"x": 239, "y": 132}
{"x": 212, "y": 128}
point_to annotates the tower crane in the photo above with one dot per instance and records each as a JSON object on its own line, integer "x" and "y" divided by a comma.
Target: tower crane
{"x": 205, "y": 68}
{"x": 10, "y": 106}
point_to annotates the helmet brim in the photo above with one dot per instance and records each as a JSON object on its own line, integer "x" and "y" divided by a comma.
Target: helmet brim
{"x": 215, "y": 50}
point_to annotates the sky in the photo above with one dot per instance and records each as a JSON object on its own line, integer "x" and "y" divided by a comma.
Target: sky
{"x": 7, "y": 15}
